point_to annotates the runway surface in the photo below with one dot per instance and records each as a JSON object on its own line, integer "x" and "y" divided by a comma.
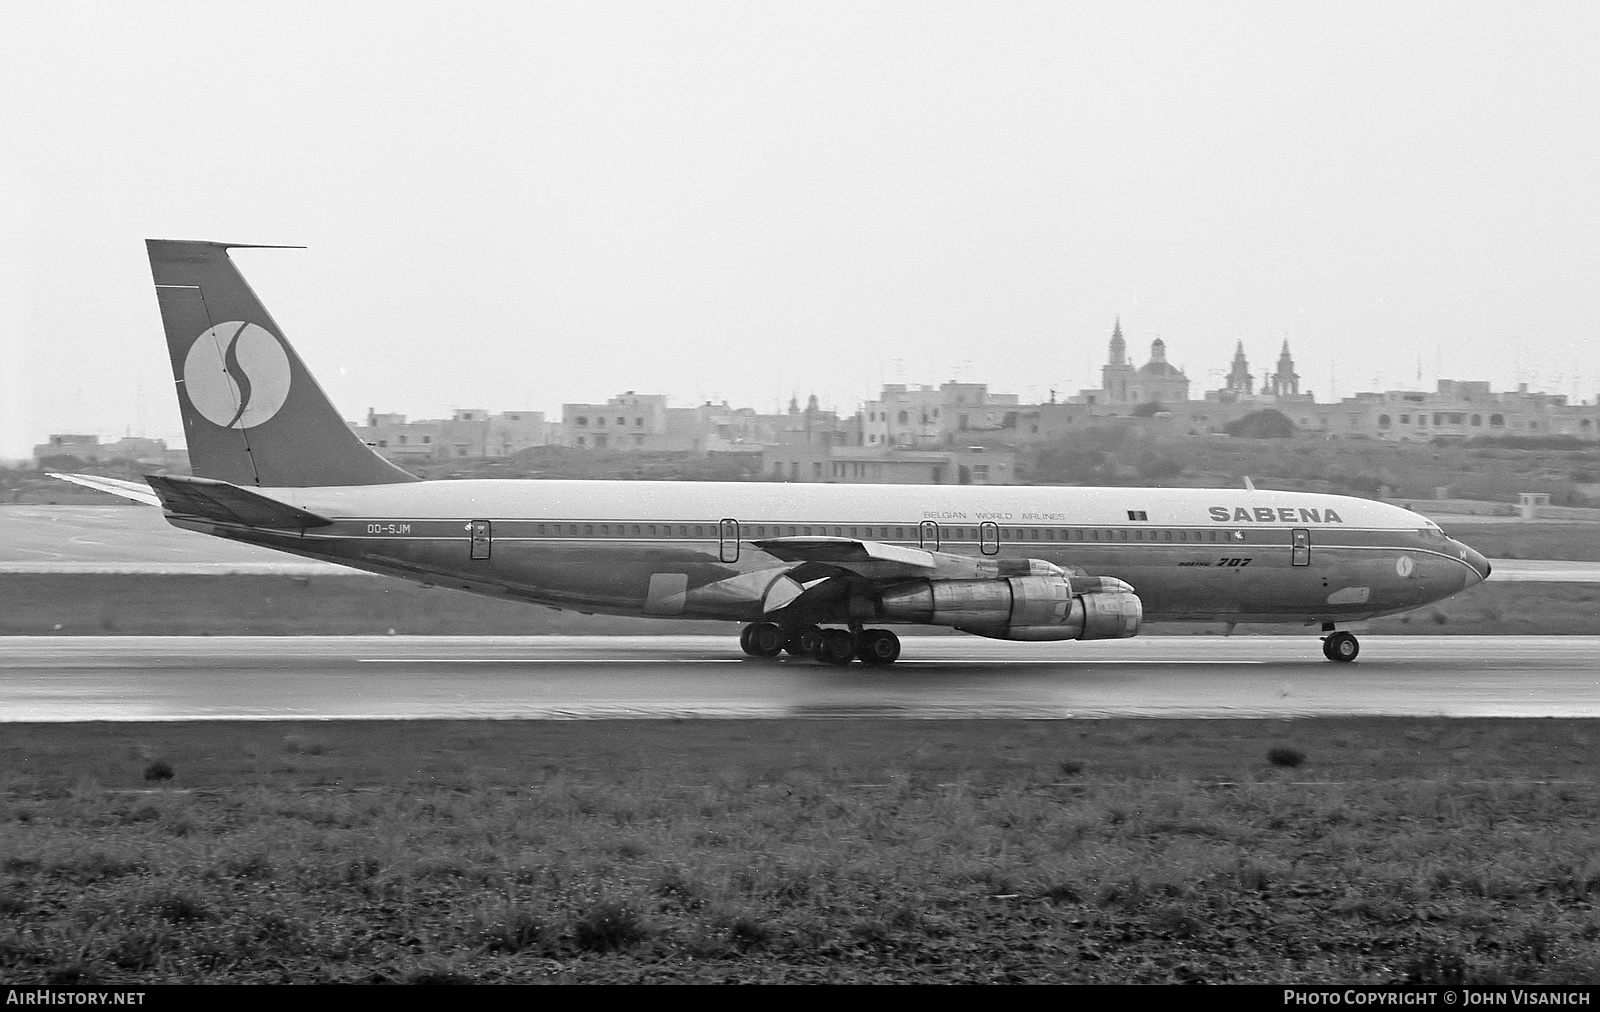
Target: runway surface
{"x": 136, "y": 539}
{"x": 278, "y": 678}
{"x": 111, "y": 535}
{"x": 132, "y": 539}
{"x": 1543, "y": 571}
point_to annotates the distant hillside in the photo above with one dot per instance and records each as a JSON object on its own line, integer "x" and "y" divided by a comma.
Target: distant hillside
{"x": 1129, "y": 455}
{"x": 1496, "y": 473}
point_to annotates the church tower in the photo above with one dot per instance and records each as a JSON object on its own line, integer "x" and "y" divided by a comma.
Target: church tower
{"x": 1240, "y": 382}
{"x": 1285, "y": 382}
{"x": 1114, "y": 375}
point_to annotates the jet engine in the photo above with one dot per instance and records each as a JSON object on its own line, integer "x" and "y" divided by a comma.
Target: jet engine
{"x": 1039, "y": 607}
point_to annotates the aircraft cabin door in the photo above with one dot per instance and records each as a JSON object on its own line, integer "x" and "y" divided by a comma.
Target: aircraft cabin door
{"x": 1300, "y": 539}
{"x": 728, "y": 534}
{"x": 482, "y": 539}
{"x": 928, "y": 535}
{"x": 989, "y": 538}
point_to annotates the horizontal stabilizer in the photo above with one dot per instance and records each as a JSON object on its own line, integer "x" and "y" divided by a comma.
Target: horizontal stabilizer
{"x": 219, "y": 501}
{"x": 138, "y": 491}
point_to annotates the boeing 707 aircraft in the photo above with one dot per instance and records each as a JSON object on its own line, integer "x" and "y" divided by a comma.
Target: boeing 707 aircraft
{"x": 814, "y": 569}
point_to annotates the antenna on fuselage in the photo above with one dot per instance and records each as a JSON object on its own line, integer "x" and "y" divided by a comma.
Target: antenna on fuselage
{"x": 1248, "y": 484}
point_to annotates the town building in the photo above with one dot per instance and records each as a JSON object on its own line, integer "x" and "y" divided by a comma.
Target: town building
{"x": 632, "y": 421}
{"x": 812, "y": 425}
{"x": 628, "y": 421}
{"x": 1458, "y": 409}
{"x": 822, "y": 462}
{"x": 467, "y": 433}
{"x": 88, "y": 449}
{"x": 929, "y": 416}
{"x": 1047, "y": 423}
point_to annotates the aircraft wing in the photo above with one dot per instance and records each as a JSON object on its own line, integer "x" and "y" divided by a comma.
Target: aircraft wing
{"x": 138, "y": 491}
{"x": 222, "y": 502}
{"x": 871, "y": 559}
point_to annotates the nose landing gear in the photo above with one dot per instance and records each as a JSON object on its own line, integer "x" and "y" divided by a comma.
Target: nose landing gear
{"x": 1340, "y": 646}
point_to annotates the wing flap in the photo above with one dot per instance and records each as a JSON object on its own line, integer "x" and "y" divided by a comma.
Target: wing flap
{"x": 824, "y": 549}
{"x": 219, "y": 501}
{"x": 871, "y": 559}
{"x": 819, "y": 557}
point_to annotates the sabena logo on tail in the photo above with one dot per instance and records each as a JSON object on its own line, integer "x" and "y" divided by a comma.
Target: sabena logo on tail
{"x": 237, "y": 375}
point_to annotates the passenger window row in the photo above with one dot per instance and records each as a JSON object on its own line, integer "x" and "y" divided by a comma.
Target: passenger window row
{"x": 873, "y": 532}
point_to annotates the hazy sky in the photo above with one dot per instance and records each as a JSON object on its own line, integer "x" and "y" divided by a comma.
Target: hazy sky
{"x": 512, "y": 205}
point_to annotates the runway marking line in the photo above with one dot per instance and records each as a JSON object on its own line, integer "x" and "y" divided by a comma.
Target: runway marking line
{"x": 548, "y": 660}
{"x": 1075, "y": 661}
{"x": 741, "y": 660}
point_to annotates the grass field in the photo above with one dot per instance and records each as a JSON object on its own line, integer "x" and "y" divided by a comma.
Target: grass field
{"x": 1571, "y": 542}
{"x": 1500, "y": 609}
{"x": 1118, "y": 851}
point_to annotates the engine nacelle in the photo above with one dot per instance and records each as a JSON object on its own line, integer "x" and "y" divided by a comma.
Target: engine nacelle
{"x": 1096, "y": 615}
{"x": 1020, "y": 607}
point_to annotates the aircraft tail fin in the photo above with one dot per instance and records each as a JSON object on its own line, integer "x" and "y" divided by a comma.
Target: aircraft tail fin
{"x": 252, "y": 413}
{"x": 219, "y": 501}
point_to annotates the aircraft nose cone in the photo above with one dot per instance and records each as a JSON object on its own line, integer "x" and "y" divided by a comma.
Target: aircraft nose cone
{"x": 1479, "y": 564}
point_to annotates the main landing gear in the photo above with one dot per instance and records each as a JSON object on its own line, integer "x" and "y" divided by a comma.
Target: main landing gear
{"x": 831, "y": 646}
{"x": 1341, "y": 647}
{"x": 763, "y": 639}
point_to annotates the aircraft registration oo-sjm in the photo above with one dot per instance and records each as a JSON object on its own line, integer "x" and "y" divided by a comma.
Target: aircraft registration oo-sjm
{"x": 815, "y": 569}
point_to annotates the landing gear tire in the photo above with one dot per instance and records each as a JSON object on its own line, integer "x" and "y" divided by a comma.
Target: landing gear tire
{"x": 836, "y": 646}
{"x": 803, "y": 641}
{"x": 763, "y": 639}
{"x": 878, "y": 647}
{"x": 1341, "y": 647}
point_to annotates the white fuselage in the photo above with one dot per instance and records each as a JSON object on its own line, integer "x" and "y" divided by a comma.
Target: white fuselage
{"x": 1196, "y": 554}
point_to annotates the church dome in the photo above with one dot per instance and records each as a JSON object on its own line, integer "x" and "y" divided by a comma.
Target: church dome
{"x": 1158, "y": 365}
{"x": 1155, "y": 368}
